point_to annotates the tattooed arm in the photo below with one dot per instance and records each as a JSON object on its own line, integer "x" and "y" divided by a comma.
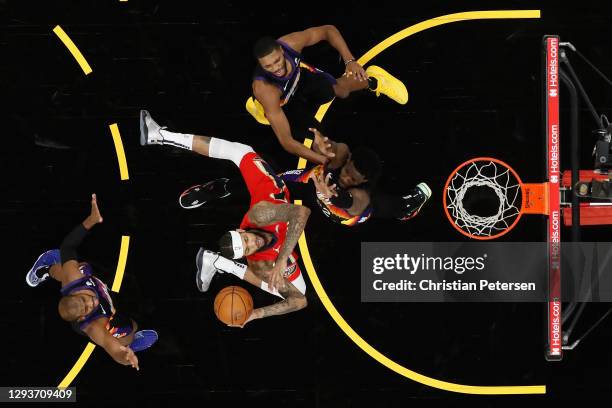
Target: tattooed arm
{"x": 293, "y": 301}
{"x": 266, "y": 213}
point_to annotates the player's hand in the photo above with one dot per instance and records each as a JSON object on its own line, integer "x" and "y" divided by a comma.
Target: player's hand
{"x": 255, "y": 314}
{"x": 277, "y": 274}
{"x": 322, "y": 143}
{"x": 355, "y": 70}
{"x": 95, "y": 211}
{"x": 323, "y": 185}
{"x": 130, "y": 357}
{"x": 94, "y": 216}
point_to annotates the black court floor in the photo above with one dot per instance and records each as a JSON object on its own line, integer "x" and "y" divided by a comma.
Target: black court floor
{"x": 474, "y": 91}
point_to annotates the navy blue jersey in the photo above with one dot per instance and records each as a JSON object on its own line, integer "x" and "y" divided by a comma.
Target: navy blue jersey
{"x": 98, "y": 288}
{"x": 289, "y": 83}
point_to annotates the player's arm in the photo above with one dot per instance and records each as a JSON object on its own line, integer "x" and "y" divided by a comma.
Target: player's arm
{"x": 68, "y": 248}
{"x": 124, "y": 355}
{"x": 269, "y": 97}
{"x": 293, "y": 301}
{"x": 266, "y": 213}
{"x": 311, "y": 36}
{"x": 337, "y": 152}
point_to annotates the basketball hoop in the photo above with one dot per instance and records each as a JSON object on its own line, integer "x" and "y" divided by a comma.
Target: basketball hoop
{"x": 484, "y": 198}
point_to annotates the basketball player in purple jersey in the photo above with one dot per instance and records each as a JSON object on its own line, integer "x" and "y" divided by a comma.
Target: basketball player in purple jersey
{"x": 86, "y": 301}
{"x": 288, "y": 91}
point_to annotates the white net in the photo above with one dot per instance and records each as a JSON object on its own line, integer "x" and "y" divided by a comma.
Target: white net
{"x": 503, "y": 184}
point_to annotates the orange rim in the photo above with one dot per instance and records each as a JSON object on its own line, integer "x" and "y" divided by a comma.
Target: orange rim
{"x": 452, "y": 220}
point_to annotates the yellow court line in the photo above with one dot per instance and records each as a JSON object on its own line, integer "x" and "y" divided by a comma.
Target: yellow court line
{"x": 302, "y": 161}
{"x": 74, "y": 371}
{"x": 123, "y": 168}
{"x": 431, "y": 23}
{"x": 123, "y": 253}
{"x": 73, "y": 49}
{"x": 312, "y": 274}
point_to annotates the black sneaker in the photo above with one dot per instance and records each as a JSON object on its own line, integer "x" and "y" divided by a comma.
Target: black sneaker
{"x": 416, "y": 200}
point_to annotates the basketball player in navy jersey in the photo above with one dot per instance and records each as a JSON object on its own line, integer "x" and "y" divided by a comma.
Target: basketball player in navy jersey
{"x": 288, "y": 91}
{"x": 345, "y": 185}
{"x": 86, "y": 301}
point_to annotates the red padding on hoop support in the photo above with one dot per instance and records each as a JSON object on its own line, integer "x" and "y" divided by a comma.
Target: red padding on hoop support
{"x": 590, "y": 214}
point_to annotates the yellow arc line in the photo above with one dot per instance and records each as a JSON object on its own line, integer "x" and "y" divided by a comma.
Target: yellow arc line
{"x": 312, "y": 274}
{"x": 80, "y": 363}
{"x": 123, "y": 253}
{"x": 123, "y": 168}
{"x": 73, "y": 49}
{"x": 74, "y": 371}
{"x": 302, "y": 162}
{"x": 431, "y": 23}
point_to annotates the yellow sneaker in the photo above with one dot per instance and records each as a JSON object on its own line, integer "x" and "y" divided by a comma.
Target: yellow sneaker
{"x": 256, "y": 110}
{"x": 388, "y": 85}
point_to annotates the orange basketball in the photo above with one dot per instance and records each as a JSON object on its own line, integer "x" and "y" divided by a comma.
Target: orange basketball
{"x": 233, "y": 305}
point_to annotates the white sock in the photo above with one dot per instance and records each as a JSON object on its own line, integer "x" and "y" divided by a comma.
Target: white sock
{"x": 182, "y": 140}
{"x": 229, "y": 266}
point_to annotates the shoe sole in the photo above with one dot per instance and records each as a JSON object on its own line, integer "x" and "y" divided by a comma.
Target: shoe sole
{"x": 191, "y": 207}
{"x": 425, "y": 189}
{"x": 151, "y": 337}
{"x": 199, "y": 282}
{"x": 252, "y": 109}
{"x": 32, "y": 271}
{"x": 143, "y": 127}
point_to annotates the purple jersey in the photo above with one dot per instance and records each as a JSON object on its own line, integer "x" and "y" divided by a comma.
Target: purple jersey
{"x": 98, "y": 288}
{"x": 331, "y": 211}
{"x": 289, "y": 83}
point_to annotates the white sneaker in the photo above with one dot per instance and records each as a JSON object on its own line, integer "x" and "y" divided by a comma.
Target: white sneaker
{"x": 149, "y": 130}
{"x": 206, "y": 269}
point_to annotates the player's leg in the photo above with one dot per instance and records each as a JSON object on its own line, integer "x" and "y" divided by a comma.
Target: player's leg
{"x": 47, "y": 265}
{"x": 208, "y": 263}
{"x": 380, "y": 81}
{"x": 347, "y": 84}
{"x": 124, "y": 329}
{"x": 127, "y": 333}
{"x": 151, "y": 133}
{"x": 401, "y": 208}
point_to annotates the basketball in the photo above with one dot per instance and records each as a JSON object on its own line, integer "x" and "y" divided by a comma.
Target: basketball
{"x": 233, "y": 305}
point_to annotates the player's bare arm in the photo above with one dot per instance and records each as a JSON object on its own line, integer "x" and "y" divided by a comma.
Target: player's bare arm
{"x": 311, "y": 36}
{"x": 269, "y": 97}
{"x": 337, "y": 152}
{"x": 98, "y": 333}
{"x": 69, "y": 270}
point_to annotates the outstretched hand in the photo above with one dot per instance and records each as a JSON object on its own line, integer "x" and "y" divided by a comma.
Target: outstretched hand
{"x": 95, "y": 211}
{"x": 322, "y": 142}
{"x": 130, "y": 357}
{"x": 325, "y": 189}
{"x": 94, "y": 216}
